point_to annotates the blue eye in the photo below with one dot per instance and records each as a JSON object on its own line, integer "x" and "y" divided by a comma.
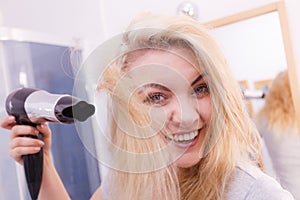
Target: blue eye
{"x": 155, "y": 99}
{"x": 201, "y": 90}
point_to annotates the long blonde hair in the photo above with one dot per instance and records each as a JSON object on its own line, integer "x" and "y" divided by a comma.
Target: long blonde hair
{"x": 232, "y": 136}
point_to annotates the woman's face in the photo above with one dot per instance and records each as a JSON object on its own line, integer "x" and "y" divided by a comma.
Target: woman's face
{"x": 177, "y": 96}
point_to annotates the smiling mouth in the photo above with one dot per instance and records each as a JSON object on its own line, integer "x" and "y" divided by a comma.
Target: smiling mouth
{"x": 185, "y": 138}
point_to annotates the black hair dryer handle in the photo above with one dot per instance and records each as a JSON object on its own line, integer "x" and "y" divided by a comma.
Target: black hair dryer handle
{"x": 33, "y": 167}
{"x": 33, "y": 163}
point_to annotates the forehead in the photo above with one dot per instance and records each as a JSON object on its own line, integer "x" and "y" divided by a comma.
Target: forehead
{"x": 183, "y": 55}
{"x": 161, "y": 65}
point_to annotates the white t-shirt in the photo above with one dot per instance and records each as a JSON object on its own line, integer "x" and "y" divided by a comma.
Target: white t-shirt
{"x": 250, "y": 183}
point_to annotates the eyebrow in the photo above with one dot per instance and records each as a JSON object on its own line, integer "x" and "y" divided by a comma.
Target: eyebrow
{"x": 161, "y": 87}
{"x": 155, "y": 85}
{"x": 198, "y": 79}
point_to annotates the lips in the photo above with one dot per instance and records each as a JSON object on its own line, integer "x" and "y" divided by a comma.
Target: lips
{"x": 184, "y": 140}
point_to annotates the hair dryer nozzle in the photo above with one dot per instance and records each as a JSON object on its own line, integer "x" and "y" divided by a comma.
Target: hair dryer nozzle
{"x": 80, "y": 111}
{"x": 68, "y": 109}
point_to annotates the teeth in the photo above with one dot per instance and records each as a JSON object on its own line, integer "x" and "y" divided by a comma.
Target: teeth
{"x": 187, "y": 137}
{"x": 176, "y": 138}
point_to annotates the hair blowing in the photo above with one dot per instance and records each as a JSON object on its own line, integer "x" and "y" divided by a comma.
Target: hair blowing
{"x": 232, "y": 136}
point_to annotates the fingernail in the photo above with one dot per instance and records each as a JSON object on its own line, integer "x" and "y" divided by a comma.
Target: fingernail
{"x": 42, "y": 126}
{"x": 37, "y": 148}
{"x": 11, "y": 118}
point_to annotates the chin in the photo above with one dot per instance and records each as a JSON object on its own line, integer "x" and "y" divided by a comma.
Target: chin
{"x": 187, "y": 161}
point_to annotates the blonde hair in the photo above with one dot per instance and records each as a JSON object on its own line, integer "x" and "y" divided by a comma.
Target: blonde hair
{"x": 232, "y": 136}
{"x": 278, "y": 109}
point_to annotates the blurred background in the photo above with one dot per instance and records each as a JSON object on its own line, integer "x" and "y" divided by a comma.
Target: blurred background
{"x": 39, "y": 40}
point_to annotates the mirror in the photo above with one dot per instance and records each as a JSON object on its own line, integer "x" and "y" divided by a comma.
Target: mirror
{"x": 258, "y": 47}
{"x": 264, "y": 29}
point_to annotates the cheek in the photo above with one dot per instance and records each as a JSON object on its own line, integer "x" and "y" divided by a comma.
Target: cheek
{"x": 162, "y": 113}
{"x": 158, "y": 117}
{"x": 205, "y": 108}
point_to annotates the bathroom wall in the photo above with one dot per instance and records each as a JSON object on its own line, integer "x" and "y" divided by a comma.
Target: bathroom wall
{"x": 94, "y": 21}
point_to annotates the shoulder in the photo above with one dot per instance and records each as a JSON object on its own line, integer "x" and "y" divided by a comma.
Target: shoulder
{"x": 250, "y": 183}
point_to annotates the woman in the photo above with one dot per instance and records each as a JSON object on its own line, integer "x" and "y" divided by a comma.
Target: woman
{"x": 178, "y": 126}
{"x": 277, "y": 124}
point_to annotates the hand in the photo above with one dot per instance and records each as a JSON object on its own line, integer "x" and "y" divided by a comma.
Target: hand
{"x": 24, "y": 145}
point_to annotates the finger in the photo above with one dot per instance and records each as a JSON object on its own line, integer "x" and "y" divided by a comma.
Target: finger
{"x": 21, "y": 130}
{"x": 46, "y": 132}
{"x": 44, "y": 129}
{"x": 18, "y": 152}
{"x": 25, "y": 142}
{"x": 8, "y": 122}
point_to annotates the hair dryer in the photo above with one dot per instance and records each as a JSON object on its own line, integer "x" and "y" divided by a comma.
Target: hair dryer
{"x": 33, "y": 106}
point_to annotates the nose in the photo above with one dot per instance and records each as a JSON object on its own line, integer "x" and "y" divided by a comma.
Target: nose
{"x": 183, "y": 114}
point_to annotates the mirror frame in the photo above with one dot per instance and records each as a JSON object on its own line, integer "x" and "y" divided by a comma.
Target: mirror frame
{"x": 279, "y": 7}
